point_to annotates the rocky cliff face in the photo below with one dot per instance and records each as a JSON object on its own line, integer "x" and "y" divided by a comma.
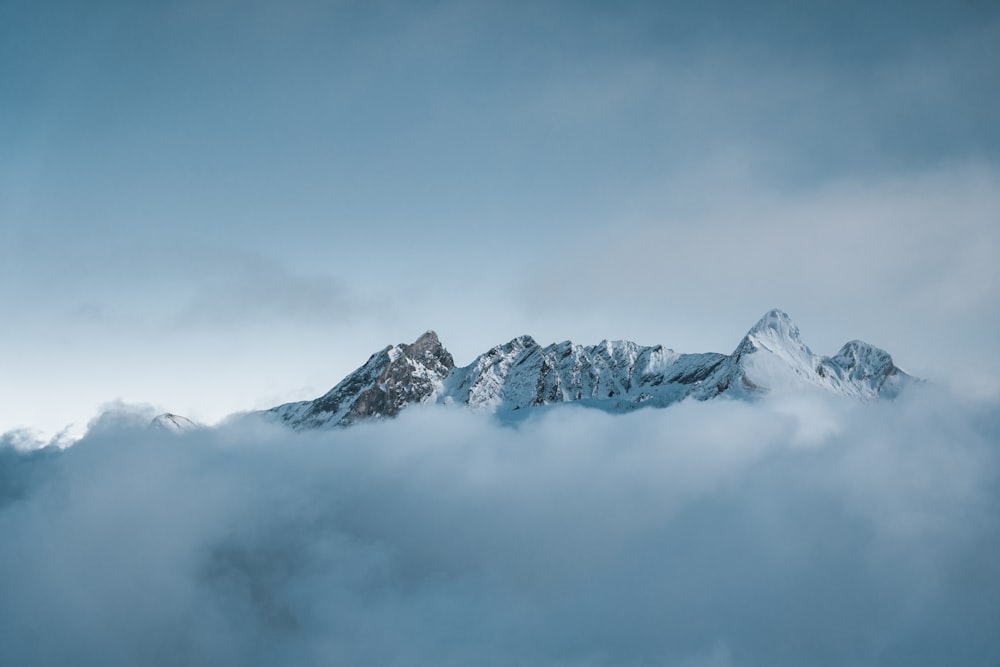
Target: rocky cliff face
{"x": 389, "y": 381}
{"x": 613, "y": 375}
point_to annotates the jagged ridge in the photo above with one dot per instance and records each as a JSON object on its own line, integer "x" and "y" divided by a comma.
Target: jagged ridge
{"x": 612, "y": 375}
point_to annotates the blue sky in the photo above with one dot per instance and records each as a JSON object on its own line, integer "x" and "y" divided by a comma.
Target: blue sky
{"x": 213, "y": 206}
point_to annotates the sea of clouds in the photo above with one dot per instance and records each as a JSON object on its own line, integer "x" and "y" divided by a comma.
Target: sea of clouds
{"x": 791, "y": 531}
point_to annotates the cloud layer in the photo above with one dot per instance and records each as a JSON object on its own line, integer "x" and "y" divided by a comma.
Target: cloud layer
{"x": 784, "y": 533}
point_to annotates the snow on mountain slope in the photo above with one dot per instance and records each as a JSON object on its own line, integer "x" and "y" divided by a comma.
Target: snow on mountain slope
{"x": 613, "y": 375}
{"x": 867, "y": 369}
{"x": 389, "y": 381}
{"x": 173, "y": 423}
{"x": 772, "y": 357}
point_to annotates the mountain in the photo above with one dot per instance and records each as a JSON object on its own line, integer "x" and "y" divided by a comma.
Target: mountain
{"x": 772, "y": 356}
{"x": 173, "y": 423}
{"x": 389, "y": 381}
{"x": 617, "y": 376}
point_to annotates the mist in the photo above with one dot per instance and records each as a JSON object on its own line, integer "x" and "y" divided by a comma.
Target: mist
{"x": 796, "y": 530}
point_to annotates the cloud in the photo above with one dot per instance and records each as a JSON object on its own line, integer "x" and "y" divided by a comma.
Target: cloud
{"x": 715, "y": 533}
{"x": 254, "y": 291}
{"x": 849, "y": 239}
{"x": 26, "y": 439}
{"x": 877, "y": 253}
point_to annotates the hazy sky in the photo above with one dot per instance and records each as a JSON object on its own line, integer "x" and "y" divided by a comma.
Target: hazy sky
{"x": 218, "y": 205}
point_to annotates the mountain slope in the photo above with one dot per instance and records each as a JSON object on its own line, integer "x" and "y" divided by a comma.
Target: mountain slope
{"x": 613, "y": 375}
{"x": 389, "y": 381}
{"x": 173, "y": 423}
{"x": 773, "y": 357}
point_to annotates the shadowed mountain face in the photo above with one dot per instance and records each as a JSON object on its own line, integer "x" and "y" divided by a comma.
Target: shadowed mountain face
{"x": 389, "y": 381}
{"x": 617, "y": 376}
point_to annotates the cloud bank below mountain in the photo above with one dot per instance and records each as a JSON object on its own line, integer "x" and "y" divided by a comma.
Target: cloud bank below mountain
{"x": 792, "y": 531}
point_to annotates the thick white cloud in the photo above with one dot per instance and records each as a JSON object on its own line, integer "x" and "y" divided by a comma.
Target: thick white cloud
{"x": 782, "y": 533}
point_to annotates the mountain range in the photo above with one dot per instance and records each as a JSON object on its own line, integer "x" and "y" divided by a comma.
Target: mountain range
{"x": 616, "y": 376}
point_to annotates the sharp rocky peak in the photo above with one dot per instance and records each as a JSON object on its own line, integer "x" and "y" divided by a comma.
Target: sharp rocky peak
{"x": 775, "y": 327}
{"x": 857, "y": 351}
{"x": 612, "y": 375}
{"x": 776, "y": 320}
{"x": 862, "y": 361}
{"x": 777, "y": 334}
{"x": 524, "y": 341}
{"x": 389, "y": 381}
{"x": 426, "y": 350}
{"x": 426, "y": 341}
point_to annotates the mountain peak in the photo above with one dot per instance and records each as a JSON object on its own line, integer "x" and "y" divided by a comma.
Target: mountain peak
{"x": 427, "y": 348}
{"x": 774, "y": 332}
{"x": 173, "y": 423}
{"x": 390, "y": 380}
{"x": 613, "y": 375}
{"x": 524, "y": 340}
{"x": 778, "y": 321}
{"x": 428, "y": 338}
{"x": 862, "y": 360}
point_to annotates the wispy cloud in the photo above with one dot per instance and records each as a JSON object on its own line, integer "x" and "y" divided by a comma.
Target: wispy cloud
{"x": 254, "y": 291}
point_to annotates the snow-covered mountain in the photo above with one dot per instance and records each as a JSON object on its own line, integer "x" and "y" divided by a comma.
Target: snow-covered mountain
{"x": 389, "y": 381}
{"x": 772, "y": 357}
{"x": 617, "y": 376}
{"x": 173, "y": 423}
